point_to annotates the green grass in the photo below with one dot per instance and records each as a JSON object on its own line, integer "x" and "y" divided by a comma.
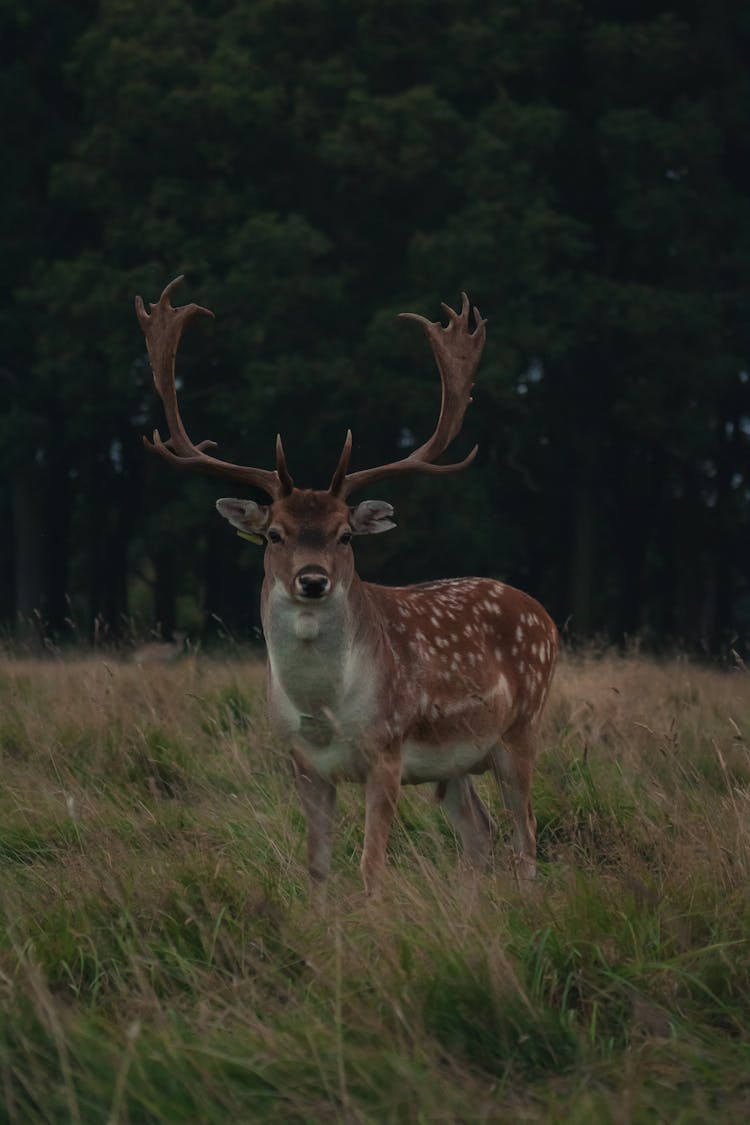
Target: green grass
{"x": 160, "y": 960}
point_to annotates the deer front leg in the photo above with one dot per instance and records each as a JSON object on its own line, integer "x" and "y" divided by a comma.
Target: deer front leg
{"x": 381, "y": 795}
{"x": 318, "y": 798}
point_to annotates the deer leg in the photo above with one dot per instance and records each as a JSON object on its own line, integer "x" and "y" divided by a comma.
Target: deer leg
{"x": 467, "y": 813}
{"x": 381, "y": 795}
{"x": 318, "y": 798}
{"x": 513, "y": 765}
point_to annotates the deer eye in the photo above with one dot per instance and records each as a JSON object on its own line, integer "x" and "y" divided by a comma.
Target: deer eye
{"x": 345, "y": 538}
{"x": 274, "y": 536}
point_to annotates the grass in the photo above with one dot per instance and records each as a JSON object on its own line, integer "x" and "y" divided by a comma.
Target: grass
{"x": 160, "y": 960}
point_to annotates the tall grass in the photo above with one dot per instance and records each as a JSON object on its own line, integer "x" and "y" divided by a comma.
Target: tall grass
{"x": 160, "y": 960}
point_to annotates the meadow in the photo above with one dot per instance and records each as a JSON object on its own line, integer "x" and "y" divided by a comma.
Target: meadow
{"x": 160, "y": 960}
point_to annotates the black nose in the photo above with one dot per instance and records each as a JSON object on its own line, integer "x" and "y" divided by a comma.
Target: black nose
{"x": 313, "y": 584}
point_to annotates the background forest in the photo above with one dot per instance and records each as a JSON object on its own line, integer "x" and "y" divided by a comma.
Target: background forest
{"x": 580, "y": 168}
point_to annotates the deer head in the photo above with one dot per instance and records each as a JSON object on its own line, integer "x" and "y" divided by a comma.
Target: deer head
{"x": 308, "y": 537}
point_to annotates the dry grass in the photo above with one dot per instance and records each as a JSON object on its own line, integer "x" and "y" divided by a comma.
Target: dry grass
{"x": 160, "y": 961}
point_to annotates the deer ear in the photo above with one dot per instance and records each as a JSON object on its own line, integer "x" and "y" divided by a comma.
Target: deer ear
{"x": 371, "y": 517}
{"x": 244, "y": 514}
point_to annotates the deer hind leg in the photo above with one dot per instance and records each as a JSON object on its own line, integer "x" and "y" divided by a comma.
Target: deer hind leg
{"x": 318, "y": 798}
{"x": 513, "y": 765}
{"x": 467, "y": 813}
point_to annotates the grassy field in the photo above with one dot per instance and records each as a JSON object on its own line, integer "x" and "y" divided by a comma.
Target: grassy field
{"x": 160, "y": 960}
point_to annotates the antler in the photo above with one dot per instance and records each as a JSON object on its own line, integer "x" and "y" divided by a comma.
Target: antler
{"x": 457, "y": 352}
{"x": 163, "y": 328}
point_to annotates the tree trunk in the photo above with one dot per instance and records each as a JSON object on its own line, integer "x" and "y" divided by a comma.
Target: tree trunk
{"x": 26, "y": 507}
{"x": 582, "y": 560}
{"x": 165, "y": 591}
{"x": 118, "y": 537}
{"x": 57, "y": 519}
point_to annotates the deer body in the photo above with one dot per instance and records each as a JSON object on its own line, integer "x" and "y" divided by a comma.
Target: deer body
{"x": 437, "y": 674}
{"x": 379, "y": 685}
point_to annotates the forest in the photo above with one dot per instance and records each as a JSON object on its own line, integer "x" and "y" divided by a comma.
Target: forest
{"x": 580, "y": 168}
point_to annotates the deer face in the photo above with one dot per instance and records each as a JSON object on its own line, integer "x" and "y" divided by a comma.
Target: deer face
{"x": 308, "y": 538}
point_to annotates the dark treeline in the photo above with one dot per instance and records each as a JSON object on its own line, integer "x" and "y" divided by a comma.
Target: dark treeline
{"x": 582, "y": 169}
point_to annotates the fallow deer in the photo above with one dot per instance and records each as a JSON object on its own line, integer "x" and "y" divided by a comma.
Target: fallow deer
{"x": 373, "y": 684}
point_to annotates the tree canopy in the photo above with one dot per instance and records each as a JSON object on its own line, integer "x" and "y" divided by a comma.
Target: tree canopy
{"x": 580, "y": 168}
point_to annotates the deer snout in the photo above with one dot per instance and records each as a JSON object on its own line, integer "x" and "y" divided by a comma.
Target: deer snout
{"x": 312, "y": 583}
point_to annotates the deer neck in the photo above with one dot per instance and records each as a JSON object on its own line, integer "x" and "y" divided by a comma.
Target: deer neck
{"x": 315, "y": 649}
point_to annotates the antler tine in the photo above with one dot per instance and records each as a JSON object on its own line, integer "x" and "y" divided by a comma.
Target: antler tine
{"x": 457, "y": 352}
{"x": 282, "y": 472}
{"x": 339, "y": 475}
{"x": 163, "y": 328}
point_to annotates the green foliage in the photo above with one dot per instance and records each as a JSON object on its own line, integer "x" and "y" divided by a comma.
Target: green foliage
{"x": 231, "y": 708}
{"x": 496, "y": 1028}
{"x": 314, "y": 168}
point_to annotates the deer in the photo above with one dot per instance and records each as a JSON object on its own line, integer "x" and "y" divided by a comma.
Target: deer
{"x": 381, "y": 686}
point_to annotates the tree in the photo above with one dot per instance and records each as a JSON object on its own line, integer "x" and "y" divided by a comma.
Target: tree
{"x": 314, "y": 169}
